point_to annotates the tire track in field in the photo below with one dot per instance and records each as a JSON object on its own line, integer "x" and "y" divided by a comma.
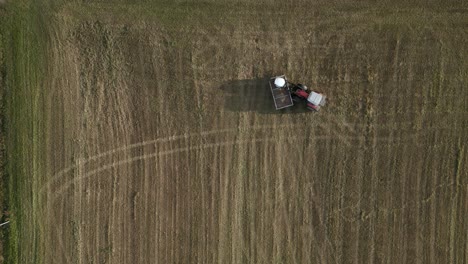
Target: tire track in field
{"x": 346, "y": 139}
{"x": 178, "y": 150}
{"x": 82, "y": 162}
{"x": 153, "y": 155}
{"x": 341, "y": 123}
{"x": 370, "y": 236}
{"x": 170, "y": 152}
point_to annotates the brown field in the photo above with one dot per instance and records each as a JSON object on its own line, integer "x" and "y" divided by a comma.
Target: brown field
{"x": 161, "y": 143}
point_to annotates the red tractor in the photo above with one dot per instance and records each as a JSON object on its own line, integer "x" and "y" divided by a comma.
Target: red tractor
{"x": 286, "y": 93}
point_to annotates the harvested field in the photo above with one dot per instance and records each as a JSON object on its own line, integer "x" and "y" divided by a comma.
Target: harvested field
{"x": 153, "y": 136}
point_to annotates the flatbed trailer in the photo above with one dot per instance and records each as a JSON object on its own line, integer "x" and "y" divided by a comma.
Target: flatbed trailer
{"x": 281, "y": 95}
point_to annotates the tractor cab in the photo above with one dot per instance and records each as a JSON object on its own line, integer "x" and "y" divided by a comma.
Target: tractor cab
{"x": 315, "y": 101}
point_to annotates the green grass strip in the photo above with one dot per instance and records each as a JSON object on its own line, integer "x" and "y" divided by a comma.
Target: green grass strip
{"x": 24, "y": 45}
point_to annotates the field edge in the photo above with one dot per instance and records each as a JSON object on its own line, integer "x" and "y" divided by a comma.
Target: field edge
{"x": 23, "y": 45}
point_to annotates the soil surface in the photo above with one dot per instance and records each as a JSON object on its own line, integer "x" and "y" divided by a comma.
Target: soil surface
{"x": 163, "y": 145}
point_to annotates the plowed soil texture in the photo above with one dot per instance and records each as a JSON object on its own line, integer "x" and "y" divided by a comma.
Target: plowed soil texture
{"x": 145, "y": 132}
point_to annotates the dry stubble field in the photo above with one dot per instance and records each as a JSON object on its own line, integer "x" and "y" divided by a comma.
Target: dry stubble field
{"x": 160, "y": 143}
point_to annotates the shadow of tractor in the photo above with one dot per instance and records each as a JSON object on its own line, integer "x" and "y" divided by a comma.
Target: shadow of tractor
{"x": 254, "y": 95}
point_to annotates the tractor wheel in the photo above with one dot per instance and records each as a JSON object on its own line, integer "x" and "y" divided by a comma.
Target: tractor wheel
{"x": 313, "y": 108}
{"x": 302, "y": 87}
{"x": 295, "y": 98}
